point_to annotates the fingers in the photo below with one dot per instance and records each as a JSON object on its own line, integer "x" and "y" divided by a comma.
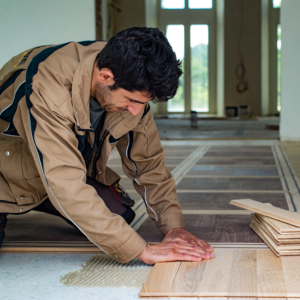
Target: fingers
{"x": 192, "y": 249}
{"x": 186, "y": 257}
{"x": 173, "y": 251}
{"x": 197, "y": 254}
{"x": 205, "y": 245}
{"x": 202, "y": 244}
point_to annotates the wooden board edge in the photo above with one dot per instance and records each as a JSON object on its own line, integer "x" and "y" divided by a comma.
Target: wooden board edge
{"x": 270, "y": 215}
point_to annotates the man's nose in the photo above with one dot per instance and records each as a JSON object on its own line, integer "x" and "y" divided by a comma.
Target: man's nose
{"x": 135, "y": 109}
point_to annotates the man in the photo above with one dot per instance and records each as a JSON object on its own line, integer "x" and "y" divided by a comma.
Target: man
{"x": 63, "y": 109}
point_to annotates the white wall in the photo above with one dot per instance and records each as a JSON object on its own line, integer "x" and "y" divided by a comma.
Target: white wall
{"x": 28, "y": 23}
{"x": 290, "y": 71}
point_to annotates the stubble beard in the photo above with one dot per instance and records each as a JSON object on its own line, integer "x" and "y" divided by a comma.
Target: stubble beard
{"x": 103, "y": 96}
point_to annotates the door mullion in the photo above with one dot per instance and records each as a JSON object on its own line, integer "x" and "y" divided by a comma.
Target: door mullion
{"x": 187, "y": 68}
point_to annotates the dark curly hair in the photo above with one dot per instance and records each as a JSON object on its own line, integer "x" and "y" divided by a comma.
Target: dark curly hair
{"x": 142, "y": 59}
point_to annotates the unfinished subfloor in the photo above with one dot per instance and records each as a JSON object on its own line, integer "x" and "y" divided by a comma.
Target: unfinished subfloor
{"x": 208, "y": 174}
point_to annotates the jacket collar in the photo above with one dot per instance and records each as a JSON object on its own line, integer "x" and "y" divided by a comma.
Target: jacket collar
{"x": 81, "y": 91}
{"x": 119, "y": 123}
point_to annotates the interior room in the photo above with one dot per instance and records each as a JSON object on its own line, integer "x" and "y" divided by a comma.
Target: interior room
{"x": 230, "y": 132}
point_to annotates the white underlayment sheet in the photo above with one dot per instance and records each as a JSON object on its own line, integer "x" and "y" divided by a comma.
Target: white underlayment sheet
{"x": 103, "y": 271}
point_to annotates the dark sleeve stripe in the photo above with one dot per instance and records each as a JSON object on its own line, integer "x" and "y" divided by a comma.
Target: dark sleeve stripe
{"x": 31, "y": 71}
{"x": 147, "y": 109}
{"x": 8, "y": 113}
{"x": 87, "y": 43}
{"x": 10, "y": 81}
{"x": 112, "y": 140}
{"x": 81, "y": 142}
{"x": 11, "y": 131}
{"x": 34, "y": 64}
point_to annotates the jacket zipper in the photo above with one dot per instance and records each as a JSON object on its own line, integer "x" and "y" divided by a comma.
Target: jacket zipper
{"x": 98, "y": 152}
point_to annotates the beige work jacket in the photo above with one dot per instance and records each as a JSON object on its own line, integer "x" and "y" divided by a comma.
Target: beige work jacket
{"x": 44, "y": 123}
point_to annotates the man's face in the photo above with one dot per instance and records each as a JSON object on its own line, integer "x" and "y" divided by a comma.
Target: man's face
{"x": 120, "y": 99}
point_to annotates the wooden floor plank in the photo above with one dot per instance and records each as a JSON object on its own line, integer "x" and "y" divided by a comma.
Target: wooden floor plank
{"x": 186, "y": 282}
{"x": 234, "y": 153}
{"x": 223, "y": 183}
{"x": 232, "y": 274}
{"x": 214, "y": 282}
{"x": 233, "y": 171}
{"x": 280, "y": 227}
{"x": 270, "y": 242}
{"x": 218, "y": 201}
{"x": 270, "y": 277}
{"x": 235, "y": 161}
{"x": 160, "y": 280}
{"x": 291, "y": 275}
{"x": 277, "y": 236}
{"x": 289, "y": 217}
{"x": 243, "y": 274}
{"x": 241, "y": 148}
{"x": 211, "y": 228}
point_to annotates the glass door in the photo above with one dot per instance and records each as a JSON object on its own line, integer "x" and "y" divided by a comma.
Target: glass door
{"x": 189, "y": 27}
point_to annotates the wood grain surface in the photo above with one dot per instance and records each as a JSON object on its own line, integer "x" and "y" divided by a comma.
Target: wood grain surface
{"x": 279, "y": 226}
{"x": 270, "y": 275}
{"x": 277, "y": 236}
{"x": 218, "y": 201}
{"x": 211, "y": 228}
{"x": 291, "y": 273}
{"x": 161, "y": 283}
{"x": 234, "y": 153}
{"x": 268, "y": 210}
{"x": 229, "y": 183}
{"x": 234, "y": 170}
{"x": 232, "y": 273}
{"x": 243, "y": 274}
{"x": 236, "y": 161}
{"x": 270, "y": 242}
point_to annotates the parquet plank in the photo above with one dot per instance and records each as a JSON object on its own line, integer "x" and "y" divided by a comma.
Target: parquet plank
{"x": 188, "y": 277}
{"x": 280, "y": 227}
{"x": 270, "y": 275}
{"x": 204, "y": 279}
{"x": 280, "y": 246}
{"x": 272, "y": 244}
{"x": 214, "y": 282}
{"x": 255, "y": 274}
{"x": 243, "y": 274}
{"x": 211, "y": 228}
{"x": 269, "y": 210}
{"x": 280, "y": 237}
{"x": 291, "y": 273}
{"x": 160, "y": 279}
{"x": 230, "y": 184}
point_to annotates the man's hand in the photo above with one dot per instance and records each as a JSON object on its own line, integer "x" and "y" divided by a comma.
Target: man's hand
{"x": 190, "y": 238}
{"x": 178, "y": 244}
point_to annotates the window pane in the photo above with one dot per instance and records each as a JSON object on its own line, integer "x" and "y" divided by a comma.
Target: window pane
{"x": 172, "y": 4}
{"x": 199, "y": 67}
{"x": 204, "y": 4}
{"x": 175, "y": 35}
{"x": 279, "y": 67}
{"x": 276, "y": 3}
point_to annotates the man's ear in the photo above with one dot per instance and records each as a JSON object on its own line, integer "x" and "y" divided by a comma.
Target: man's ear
{"x": 106, "y": 76}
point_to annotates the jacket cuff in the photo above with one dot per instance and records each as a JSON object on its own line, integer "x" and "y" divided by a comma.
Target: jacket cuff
{"x": 169, "y": 222}
{"x": 129, "y": 250}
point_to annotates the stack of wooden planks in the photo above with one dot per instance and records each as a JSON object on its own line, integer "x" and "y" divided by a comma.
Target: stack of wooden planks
{"x": 278, "y": 228}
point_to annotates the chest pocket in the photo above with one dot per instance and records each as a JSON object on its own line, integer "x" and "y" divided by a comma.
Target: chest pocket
{"x": 19, "y": 170}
